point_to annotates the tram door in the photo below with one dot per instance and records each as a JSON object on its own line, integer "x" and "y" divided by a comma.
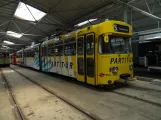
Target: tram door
{"x": 85, "y": 58}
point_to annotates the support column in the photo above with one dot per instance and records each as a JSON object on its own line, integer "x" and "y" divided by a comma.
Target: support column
{"x": 125, "y": 15}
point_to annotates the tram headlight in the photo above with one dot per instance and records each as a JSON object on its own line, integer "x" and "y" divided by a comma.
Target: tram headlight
{"x": 131, "y": 67}
{"x": 114, "y": 69}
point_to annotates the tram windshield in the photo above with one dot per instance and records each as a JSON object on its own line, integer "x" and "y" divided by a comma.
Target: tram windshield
{"x": 117, "y": 45}
{"x": 120, "y": 45}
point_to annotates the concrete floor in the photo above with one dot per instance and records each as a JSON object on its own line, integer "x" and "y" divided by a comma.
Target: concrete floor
{"x": 6, "y": 109}
{"x": 107, "y": 105}
{"x": 142, "y": 71}
{"x": 37, "y": 104}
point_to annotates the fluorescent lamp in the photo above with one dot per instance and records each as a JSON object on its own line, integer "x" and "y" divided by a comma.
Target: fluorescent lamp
{"x": 5, "y": 46}
{"x": 8, "y": 42}
{"x": 154, "y": 37}
{"x": 13, "y": 34}
{"x": 85, "y": 22}
{"x": 144, "y": 42}
{"x": 26, "y": 12}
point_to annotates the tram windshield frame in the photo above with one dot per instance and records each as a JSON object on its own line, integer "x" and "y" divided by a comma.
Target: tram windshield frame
{"x": 116, "y": 45}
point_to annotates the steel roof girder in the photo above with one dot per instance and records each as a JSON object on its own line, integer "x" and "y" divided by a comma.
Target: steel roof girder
{"x": 138, "y": 10}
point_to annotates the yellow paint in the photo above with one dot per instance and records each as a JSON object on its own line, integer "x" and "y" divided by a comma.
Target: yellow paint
{"x": 105, "y": 64}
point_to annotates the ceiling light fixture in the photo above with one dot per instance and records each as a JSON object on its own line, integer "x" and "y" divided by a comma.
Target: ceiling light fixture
{"x": 5, "y": 47}
{"x": 85, "y": 22}
{"x": 14, "y": 34}
{"x": 8, "y": 42}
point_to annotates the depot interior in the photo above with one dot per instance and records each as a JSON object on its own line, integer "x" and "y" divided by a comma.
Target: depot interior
{"x": 28, "y": 22}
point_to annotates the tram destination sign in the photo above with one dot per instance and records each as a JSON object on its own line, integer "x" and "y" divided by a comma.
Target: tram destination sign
{"x": 121, "y": 28}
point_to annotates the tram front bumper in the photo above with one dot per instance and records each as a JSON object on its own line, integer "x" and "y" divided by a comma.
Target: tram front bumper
{"x": 126, "y": 77}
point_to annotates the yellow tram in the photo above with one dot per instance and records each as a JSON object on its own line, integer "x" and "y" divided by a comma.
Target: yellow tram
{"x": 98, "y": 54}
{"x": 4, "y": 59}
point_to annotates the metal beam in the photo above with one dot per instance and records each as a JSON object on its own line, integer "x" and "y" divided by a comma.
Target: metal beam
{"x": 60, "y": 19}
{"x": 151, "y": 31}
{"x": 148, "y": 6}
{"x": 30, "y": 12}
{"x": 4, "y": 23}
{"x": 12, "y": 16}
{"x": 125, "y": 15}
{"x": 7, "y": 3}
{"x": 139, "y": 10}
{"x": 17, "y": 26}
{"x": 159, "y": 2}
{"x": 88, "y": 16}
{"x": 54, "y": 7}
{"x": 154, "y": 6}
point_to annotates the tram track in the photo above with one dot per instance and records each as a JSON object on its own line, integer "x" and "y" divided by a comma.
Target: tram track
{"x": 17, "y": 111}
{"x": 118, "y": 86}
{"x": 137, "y": 98}
{"x": 121, "y": 85}
{"x": 82, "y": 110}
{"x": 144, "y": 89}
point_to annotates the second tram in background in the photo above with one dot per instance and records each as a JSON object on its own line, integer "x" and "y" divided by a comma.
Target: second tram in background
{"x": 13, "y": 58}
{"x": 99, "y": 54}
{"x": 4, "y": 59}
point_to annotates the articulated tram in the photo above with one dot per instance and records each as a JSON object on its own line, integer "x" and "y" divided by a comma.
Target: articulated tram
{"x": 99, "y": 54}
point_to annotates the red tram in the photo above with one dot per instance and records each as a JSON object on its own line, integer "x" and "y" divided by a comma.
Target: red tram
{"x": 13, "y": 58}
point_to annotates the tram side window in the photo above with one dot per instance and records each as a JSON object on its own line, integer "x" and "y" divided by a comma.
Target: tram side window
{"x": 18, "y": 56}
{"x": 44, "y": 51}
{"x": 50, "y": 50}
{"x": 104, "y": 47}
{"x": 6, "y": 55}
{"x": 32, "y": 52}
{"x": 70, "y": 49}
{"x": 90, "y": 45}
{"x": 80, "y": 46}
{"x": 35, "y": 52}
{"x": 24, "y": 54}
{"x": 58, "y": 50}
{"x": 1, "y": 55}
{"x": 27, "y": 53}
